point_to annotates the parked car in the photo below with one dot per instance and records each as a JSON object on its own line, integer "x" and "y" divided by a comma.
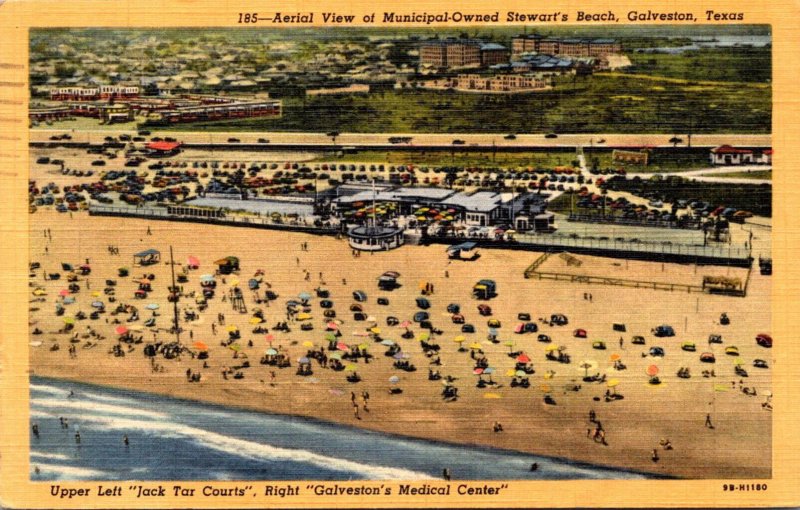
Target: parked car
{"x": 484, "y": 310}
{"x": 732, "y": 350}
{"x": 467, "y": 328}
{"x": 760, "y": 363}
{"x": 764, "y": 340}
{"x": 688, "y": 346}
{"x": 599, "y": 344}
{"x": 657, "y": 351}
{"x": 421, "y": 316}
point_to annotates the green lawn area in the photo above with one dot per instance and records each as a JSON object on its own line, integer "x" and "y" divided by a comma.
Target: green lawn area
{"x": 595, "y": 104}
{"x": 659, "y": 162}
{"x": 544, "y": 160}
{"x": 755, "y": 174}
{"x": 748, "y": 65}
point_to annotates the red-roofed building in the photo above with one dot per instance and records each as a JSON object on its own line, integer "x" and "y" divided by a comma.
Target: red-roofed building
{"x": 163, "y": 149}
{"x": 728, "y": 155}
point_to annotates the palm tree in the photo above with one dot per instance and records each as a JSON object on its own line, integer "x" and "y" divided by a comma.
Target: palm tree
{"x": 333, "y": 135}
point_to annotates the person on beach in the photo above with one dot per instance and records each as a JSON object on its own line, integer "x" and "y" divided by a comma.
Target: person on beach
{"x": 364, "y": 399}
{"x": 78, "y": 437}
{"x": 125, "y": 440}
{"x": 149, "y": 232}
{"x": 708, "y": 422}
{"x": 35, "y": 430}
{"x": 592, "y": 416}
{"x": 654, "y": 456}
{"x": 355, "y": 410}
{"x": 621, "y": 343}
{"x": 446, "y": 474}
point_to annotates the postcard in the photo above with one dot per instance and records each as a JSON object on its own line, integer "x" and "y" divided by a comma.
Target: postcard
{"x": 369, "y": 255}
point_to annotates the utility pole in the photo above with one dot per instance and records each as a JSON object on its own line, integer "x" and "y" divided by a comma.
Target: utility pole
{"x": 175, "y": 301}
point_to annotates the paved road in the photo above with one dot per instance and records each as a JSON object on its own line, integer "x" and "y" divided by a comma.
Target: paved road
{"x": 427, "y": 139}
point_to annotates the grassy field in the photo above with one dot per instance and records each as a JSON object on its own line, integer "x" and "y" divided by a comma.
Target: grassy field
{"x": 595, "y": 104}
{"x": 659, "y": 162}
{"x": 755, "y": 174}
{"x": 746, "y": 65}
{"x": 462, "y": 159}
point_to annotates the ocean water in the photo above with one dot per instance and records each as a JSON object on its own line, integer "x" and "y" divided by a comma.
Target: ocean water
{"x": 171, "y": 439}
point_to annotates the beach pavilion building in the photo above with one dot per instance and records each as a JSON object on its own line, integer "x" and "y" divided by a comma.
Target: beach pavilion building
{"x": 480, "y": 208}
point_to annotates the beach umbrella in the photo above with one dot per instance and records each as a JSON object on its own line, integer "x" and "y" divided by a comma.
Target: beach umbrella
{"x": 193, "y": 261}
{"x": 546, "y": 388}
{"x": 63, "y": 292}
{"x": 509, "y": 344}
{"x": 477, "y": 371}
{"x": 652, "y": 370}
{"x": 207, "y": 278}
{"x": 424, "y": 336}
{"x": 520, "y": 373}
{"x": 371, "y": 318}
{"x": 460, "y": 339}
{"x": 511, "y": 373}
{"x": 304, "y": 296}
{"x": 550, "y": 348}
{"x": 303, "y": 360}
{"x": 738, "y": 362}
{"x": 405, "y": 324}
{"x": 335, "y": 355}
{"x": 586, "y": 365}
{"x": 549, "y": 374}
{"x": 332, "y": 325}
{"x": 394, "y": 379}
{"x": 398, "y": 355}
{"x": 69, "y": 320}
{"x": 376, "y": 330}
{"x": 69, "y": 300}
{"x": 39, "y": 292}
{"x": 363, "y": 346}
{"x": 234, "y": 282}
{"x": 330, "y": 337}
{"x": 303, "y": 316}
{"x": 152, "y": 306}
{"x": 492, "y": 395}
{"x": 387, "y": 342}
{"x": 351, "y": 368}
{"x": 256, "y": 320}
{"x": 613, "y": 383}
{"x": 121, "y": 330}
{"x": 615, "y": 357}
{"x": 270, "y": 337}
{"x": 488, "y": 370}
{"x": 342, "y": 346}
{"x": 97, "y": 304}
{"x": 271, "y": 352}
{"x": 308, "y": 343}
{"x": 523, "y": 358}
{"x": 232, "y": 329}
{"x": 200, "y": 346}
{"x": 475, "y": 345}
{"x": 235, "y": 347}
{"x": 96, "y": 293}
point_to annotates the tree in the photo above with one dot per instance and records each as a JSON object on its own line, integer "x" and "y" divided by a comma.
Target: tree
{"x": 675, "y": 141}
{"x": 333, "y": 135}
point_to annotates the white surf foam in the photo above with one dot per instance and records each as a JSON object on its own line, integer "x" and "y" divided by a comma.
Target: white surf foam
{"x": 250, "y": 449}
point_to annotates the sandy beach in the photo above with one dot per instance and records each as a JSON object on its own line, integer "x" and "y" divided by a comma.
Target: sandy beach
{"x": 738, "y": 446}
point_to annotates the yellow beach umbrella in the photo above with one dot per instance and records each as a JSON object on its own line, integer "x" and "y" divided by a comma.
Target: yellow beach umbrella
{"x": 232, "y": 329}
{"x": 492, "y": 395}
{"x": 474, "y": 345}
{"x": 611, "y": 383}
{"x": 39, "y": 292}
{"x": 459, "y": 339}
{"x": 511, "y": 372}
{"x": 308, "y": 344}
{"x": 256, "y": 320}
{"x": 235, "y": 282}
{"x": 615, "y": 357}
{"x": 376, "y": 330}
{"x": 551, "y": 348}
